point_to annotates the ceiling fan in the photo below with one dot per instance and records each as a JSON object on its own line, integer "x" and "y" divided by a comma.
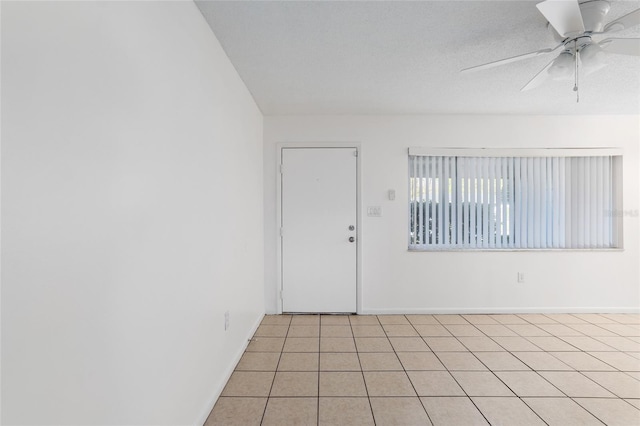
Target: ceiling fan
{"x": 573, "y": 24}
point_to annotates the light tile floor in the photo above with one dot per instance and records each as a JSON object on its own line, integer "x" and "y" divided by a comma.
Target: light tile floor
{"x": 530, "y": 369}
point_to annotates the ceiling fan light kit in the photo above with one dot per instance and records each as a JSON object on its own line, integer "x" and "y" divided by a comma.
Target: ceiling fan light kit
{"x": 573, "y": 25}
{"x": 562, "y": 66}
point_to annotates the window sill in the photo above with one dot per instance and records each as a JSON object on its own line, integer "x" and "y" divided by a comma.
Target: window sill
{"x": 480, "y": 250}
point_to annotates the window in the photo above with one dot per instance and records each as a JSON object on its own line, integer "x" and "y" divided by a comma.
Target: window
{"x": 513, "y": 199}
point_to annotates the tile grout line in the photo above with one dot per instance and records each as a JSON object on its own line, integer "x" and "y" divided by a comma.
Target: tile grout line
{"x": 366, "y": 388}
{"x": 599, "y": 325}
{"x": 276, "y": 370}
{"x": 579, "y": 350}
{"x": 587, "y": 410}
{"x": 544, "y": 378}
{"x": 480, "y": 361}
{"x": 581, "y": 372}
{"x": 434, "y": 354}
{"x": 493, "y": 372}
{"x": 537, "y": 371}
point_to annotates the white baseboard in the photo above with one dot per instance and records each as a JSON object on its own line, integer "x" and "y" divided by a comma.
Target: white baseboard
{"x": 228, "y": 372}
{"x": 545, "y": 310}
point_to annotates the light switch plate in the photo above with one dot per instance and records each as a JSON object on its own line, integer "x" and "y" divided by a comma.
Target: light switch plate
{"x": 374, "y": 211}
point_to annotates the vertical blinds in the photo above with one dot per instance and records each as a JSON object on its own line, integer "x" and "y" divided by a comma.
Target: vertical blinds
{"x": 511, "y": 202}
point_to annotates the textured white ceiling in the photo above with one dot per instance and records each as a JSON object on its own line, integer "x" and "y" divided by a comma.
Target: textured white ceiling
{"x": 399, "y": 57}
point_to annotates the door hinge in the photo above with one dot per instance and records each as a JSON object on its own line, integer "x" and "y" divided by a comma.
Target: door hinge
{"x": 355, "y": 153}
{"x": 281, "y": 168}
{"x": 281, "y": 232}
{"x": 281, "y": 293}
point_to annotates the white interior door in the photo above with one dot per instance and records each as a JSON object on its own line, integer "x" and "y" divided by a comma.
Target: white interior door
{"x": 319, "y": 229}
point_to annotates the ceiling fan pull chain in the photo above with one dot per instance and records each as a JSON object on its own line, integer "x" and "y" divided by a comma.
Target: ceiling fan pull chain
{"x": 577, "y": 56}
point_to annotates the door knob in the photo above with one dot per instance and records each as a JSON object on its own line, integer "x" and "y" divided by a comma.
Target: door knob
{"x": 351, "y": 239}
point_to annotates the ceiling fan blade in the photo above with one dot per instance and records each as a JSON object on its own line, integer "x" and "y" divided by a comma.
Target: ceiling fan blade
{"x": 539, "y": 78}
{"x": 563, "y": 15}
{"x": 510, "y": 60}
{"x": 621, "y": 46}
{"x": 627, "y": 21}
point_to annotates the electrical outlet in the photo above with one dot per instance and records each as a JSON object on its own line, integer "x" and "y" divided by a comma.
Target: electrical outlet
{"x": 520, "y": 277}
{"x": 226, "y": 321}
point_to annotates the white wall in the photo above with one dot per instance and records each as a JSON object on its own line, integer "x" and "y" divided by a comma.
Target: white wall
{"x": 131, "y": 217}
{"x": 395, "y": 280}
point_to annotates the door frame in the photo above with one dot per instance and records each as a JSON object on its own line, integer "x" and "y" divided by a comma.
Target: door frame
{"x": 279, "y": 147}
